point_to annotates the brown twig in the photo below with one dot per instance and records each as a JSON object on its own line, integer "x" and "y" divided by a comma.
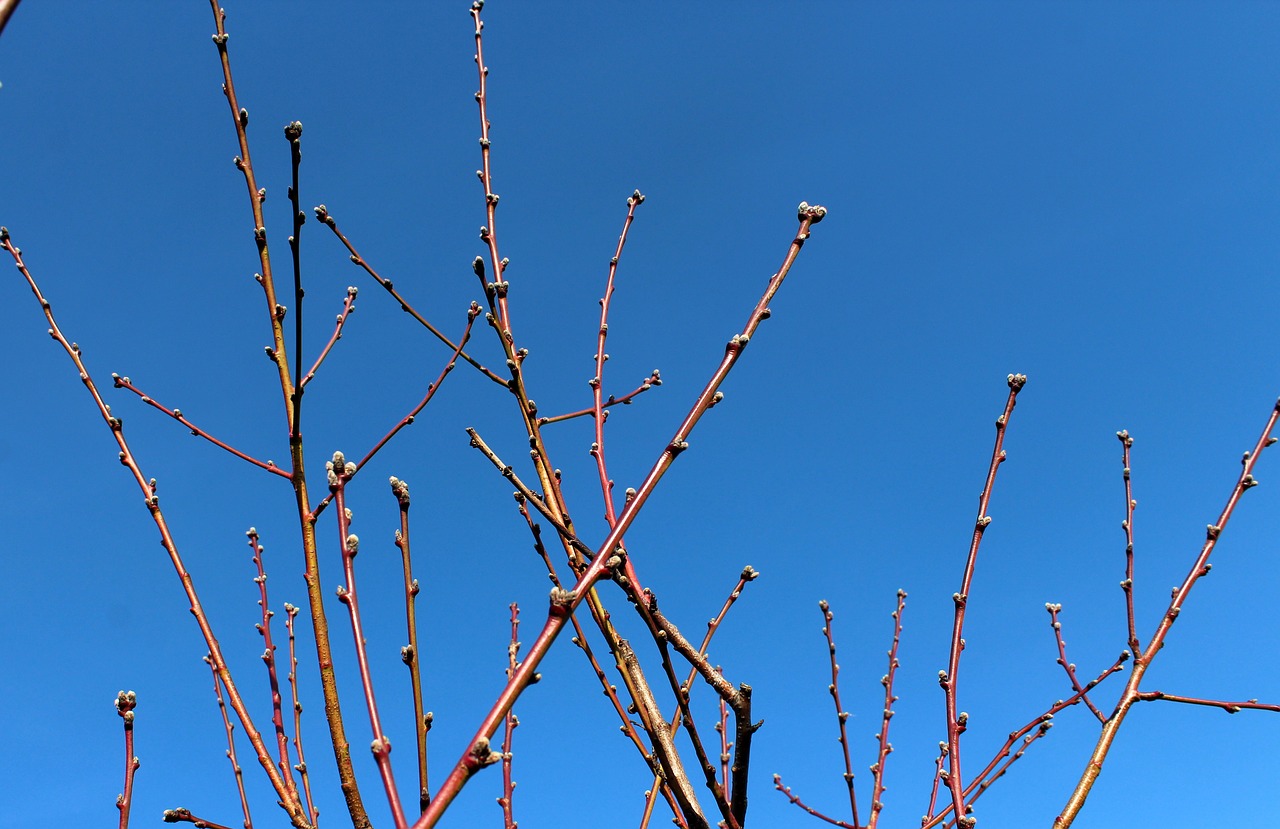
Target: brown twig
{"x": 956, "y": 720}
{"x": 1129, "y": 506}
{"x": 884, "y": 748}
{"x": 340, "y": 472}
{"x": 1069, "y": 667}
{"x": 348, "y": 305}
{"x": 126, "y": 701}
{"x": 508, "y": 785}
{"x": 1199, "y": 568}
{"x": 410, "y": 654}
{"x": 301, "y": 767}
{"x": 152, "y": 500}
{"x": 181, "y": 815}
{"x": 323, "y": 214}
{"x": 293, "y": 134}
{"x": 269, "y": 658}
{"x": 230, "y": 729}
{"x": 176, "y": 414}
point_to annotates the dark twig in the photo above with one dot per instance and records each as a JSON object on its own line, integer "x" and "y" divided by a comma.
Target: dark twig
{"x": 176, "y": 414}
{"x": 1129, "y": 506}
{"x": 410, "y": 654}
{"x": 842, "y": 716}
{"x": 957, "y": 720}
{"x": 230, "y": 729}
{"x": 1069, "y": 667}
{"x": 293, "y": 134}
{"x": 126, "y": 701}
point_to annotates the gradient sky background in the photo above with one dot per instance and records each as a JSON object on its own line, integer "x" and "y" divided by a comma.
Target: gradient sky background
{"x": 1085, "y": 193}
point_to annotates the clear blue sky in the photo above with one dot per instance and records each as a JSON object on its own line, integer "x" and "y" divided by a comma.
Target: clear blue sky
{"x": 1085, "y": 193}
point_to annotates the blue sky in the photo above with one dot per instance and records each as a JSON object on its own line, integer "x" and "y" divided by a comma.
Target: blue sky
{"x": 1083, "y": 193}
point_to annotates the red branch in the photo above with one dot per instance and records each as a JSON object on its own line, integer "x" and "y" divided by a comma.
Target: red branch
{"x": 508, "y": 785}
{"x": 410, "y": 654}
{"x": 1069, "y": 667}
{"x": 126, "y": 701}
{"x": 176, "y": 414}
{"x": 1129, "y": 506}
{"x": 885, "y": 748}
{"x": 340, "y": 472}
{"x": 348, "y": 306}
{"x": 230, "y": 729}
{"x": 269, "y": 658}
{"x": 1229, "y": 707}
{"x": 654, "y": 379}
{"x": 956, "y": 720}
{"x": 184, "y": 816}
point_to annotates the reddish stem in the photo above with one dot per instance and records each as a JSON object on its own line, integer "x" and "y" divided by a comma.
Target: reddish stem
{"x": 408, "y": 419}
{"x": 654, "y": 379}
{"x": 956, "y": 721}
{"x": 269, "y": 657}
{"x": 842, "y": 716}
{"x": 348, "y": 305}
{"x": 1229, "y": 707}
{"x": 1069, "y": 667}
{"x": 230, "y": 729}
{"x": 340, "y": 472}
{"x": 126, "y": 701}
{"x": 322, "y": 213}
{"x": 185, "y": 816}
{"x": 885, "y": 748}
{"x": 176, "y": 414}
{"x": 786, "y": 790}
{"x": 508, "y": 785}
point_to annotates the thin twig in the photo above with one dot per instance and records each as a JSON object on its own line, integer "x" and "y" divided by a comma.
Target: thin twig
{"x": 1069, "y": 667}
{"x": 322, "y": 213}
{"x": 340, "y": 472}
{"x": 293, "y": 134}
{"x": 1229, "y": 707}
{"x": 348, "y": 305}
{"x": 957, "y": 720}
{"x": 842, "y": 716}
{"x": 291, "y": 613}
{"x": 410, "y": 654}
{"x": 786, "y": 790}
{"x": 269, "y": 657}
{"x": 230, "y": 729}
{"x": 654, "y": 379}
{"x": 176, "y": 414}
{"x": 408, "y": 419}
{"x": 126, "y": 701}
{"x": 884, "y": 748}
{"x": 508, "y": 785}
{"x": 1129, "y": 506}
